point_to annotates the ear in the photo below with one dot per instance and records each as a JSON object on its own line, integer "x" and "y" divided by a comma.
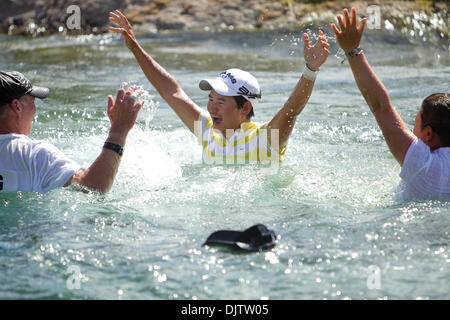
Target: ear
{"x": 246, "y": 108}
{"x": 428, "y": 134}
{"x": 16, "y": 106}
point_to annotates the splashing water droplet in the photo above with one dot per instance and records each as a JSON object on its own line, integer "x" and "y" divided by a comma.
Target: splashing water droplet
{"x": 340, "y": 54}
{"x": 149, "y": 108}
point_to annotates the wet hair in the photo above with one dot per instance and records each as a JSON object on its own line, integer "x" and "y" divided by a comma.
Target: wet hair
{"x": 436, "y": 114}
{"x": 240, "y": 101}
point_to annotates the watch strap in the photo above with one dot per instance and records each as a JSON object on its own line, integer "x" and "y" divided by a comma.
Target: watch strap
{"x": 114, "y": 147}
{"x": 354, "y": 53}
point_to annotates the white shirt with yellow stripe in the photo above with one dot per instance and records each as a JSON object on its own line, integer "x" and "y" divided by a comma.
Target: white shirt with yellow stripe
{"x": 247, "y": 145}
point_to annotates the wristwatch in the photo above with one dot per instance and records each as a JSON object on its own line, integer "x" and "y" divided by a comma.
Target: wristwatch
{"x": 354, "y": 53}
{"x": 114, "y": 147}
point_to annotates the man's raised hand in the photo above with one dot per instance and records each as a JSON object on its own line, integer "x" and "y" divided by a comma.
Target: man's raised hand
{"x": 350, "y": 34}
{"x": 317, "y": 54}
{"x": 124, "y": 28}
{"x": 123, "y": 112}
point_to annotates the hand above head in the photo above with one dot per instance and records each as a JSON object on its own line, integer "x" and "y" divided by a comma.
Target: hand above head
{"x": 125, "y": 28}
{"x": 317, "y": 54}
{"x": 350, "y": 34}
{"x": 123, "y": 112}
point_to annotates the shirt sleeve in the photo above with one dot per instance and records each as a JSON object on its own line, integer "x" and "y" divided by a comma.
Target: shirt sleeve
{"x": 51, "y": 169}
{"x": 418, "y": 158}
{"x": 202, "y": 124}
{"x": 282, "y": 148}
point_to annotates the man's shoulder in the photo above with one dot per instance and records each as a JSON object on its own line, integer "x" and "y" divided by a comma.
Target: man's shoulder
{"x": 443, "y": 152}
{"x": 24, "y": 144}
{"x": 421, "y": 160}
{"x": 14, "y": 141}
{"x": 21, "y": 138}
{"x": 261, "y": 125}
{"x": 419, "y": 149}
{"x": 14, "y": 136}
{"x": 252, "y": 125}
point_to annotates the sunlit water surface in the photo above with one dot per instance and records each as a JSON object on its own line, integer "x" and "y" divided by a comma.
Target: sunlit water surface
{"x": 331, "y": 203}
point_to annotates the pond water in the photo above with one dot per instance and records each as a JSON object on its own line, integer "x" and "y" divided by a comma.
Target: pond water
{"x": 341, "y": 233}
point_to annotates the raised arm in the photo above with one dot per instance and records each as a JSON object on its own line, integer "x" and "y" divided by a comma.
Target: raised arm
{"x": 285, "y": 119}
{"x": 164, "y": 83}
{"x": 396, "y": 133}
{"x": 122, "y": 114}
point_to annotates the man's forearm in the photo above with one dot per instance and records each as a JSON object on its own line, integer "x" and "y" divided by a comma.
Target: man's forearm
{"x": 396, "y": 133}
{"x": 368, "y": 83}
{"x": 100, "y": 175}
{"x": 299, "y": 97}
{"x": 167, "y": 87}
{"x": 285, "y": 119}
{"x": 163, "y": 82}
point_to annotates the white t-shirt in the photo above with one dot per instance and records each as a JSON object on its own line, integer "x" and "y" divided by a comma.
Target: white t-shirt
{"x": 32, "y": 165}
{"x": 425, "y": 174}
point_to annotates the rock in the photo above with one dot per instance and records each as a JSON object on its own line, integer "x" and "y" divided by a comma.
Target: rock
{"x": 31, "y": 16}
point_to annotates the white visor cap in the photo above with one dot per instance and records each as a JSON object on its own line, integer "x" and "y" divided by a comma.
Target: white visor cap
{"x": 234, "y": 82}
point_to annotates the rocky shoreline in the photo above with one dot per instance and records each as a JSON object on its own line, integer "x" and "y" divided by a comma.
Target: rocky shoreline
{"x": 40, "y": 17}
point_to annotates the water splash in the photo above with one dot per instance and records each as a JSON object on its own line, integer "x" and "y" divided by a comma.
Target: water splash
{"x": 150, "y": 106}
{"x": 340, "y": 55}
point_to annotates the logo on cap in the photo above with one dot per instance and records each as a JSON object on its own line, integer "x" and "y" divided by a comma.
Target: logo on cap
{"x": 229, "y": 75}
{"x": 234, "y": 82}
{"x": 243, "y": 90}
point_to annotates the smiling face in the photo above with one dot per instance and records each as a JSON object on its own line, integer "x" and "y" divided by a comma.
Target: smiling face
{"x": 224, "y": 112}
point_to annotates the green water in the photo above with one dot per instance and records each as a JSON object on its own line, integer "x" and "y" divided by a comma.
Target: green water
{"x": 331, "y": 203}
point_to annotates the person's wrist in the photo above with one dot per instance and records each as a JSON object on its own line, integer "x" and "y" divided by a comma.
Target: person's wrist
{"x": 313, "y": 69}
{"x": 353, "y": 52}
{"x": 350, "y": 47}
{"x": 118, "y": 135}
{"x": 134, "y": 46}
{"x": 117, "y": 148}
{"x": 310, "y": 74}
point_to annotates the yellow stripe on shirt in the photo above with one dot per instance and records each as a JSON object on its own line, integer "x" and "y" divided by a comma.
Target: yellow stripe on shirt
{"x": 248, "y": 144}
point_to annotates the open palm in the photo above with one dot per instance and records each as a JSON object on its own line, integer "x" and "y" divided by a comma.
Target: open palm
{"x": 125, "y": 28}
{"x": 317, "y": 54}
{"x": 350, "y": 34}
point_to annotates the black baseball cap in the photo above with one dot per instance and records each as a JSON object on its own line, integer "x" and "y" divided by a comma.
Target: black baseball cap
{"x": 255, "y": 238}
{"x": 14, "y": 85}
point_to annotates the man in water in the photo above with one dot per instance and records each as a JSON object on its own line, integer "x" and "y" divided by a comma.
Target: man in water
{"x": 33, "y": 165}
{"x": 423, "y": 153}
{"x": 227, "y": 135}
